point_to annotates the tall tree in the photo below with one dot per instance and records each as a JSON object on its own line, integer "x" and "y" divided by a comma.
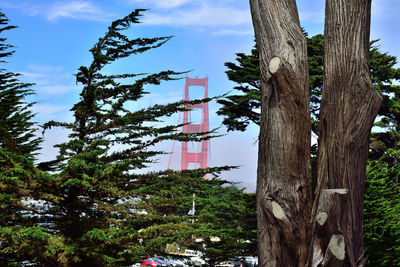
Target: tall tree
{"x": 283, "y": 177}
{"x": 21, "y": 238}
{"x": 348, "y": 109}
{"x": 92, "y": 198}
{"x": 17, "y": 130}
{"x": 349, "y": 105}
{"x": 383, "y": 75}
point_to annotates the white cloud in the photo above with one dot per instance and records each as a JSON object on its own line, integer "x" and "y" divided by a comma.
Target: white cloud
{"x": 52, "y": 137}
{"x": 55, "y": 10}
{"x": 80, "y": 10}
{"x": 161, "y": 3}
{"x": 311, "y": 11}
{"x": 49, "y": 80}
{"x": 49, "y": 109}
{"x": 206, "y": 15}
{"x": 45, "y": 68}
{"x": 56, "y": 89}
{"x": 225, "y": 31}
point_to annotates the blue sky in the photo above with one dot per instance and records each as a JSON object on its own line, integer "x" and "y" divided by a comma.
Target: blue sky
{"x": 54, "y": 37}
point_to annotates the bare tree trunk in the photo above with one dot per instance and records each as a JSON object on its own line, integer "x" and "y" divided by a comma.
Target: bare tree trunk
{"x": 348, "y": 109}
{"x": 283, "y": 176}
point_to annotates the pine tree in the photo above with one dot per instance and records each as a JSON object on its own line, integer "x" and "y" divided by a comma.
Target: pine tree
{"x": 223, "y": 226}
{"x": 93, "y": 196}
{"x": 21, "y": 238}
{"x": 227, "y": 222}
{"x": 384, "y": 74}
{"x": 17, "y": 130}
{"x": 240, "y": 110}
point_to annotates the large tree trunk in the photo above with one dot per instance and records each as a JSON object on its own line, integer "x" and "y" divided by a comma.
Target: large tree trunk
{"x": 348, "y": 109}
{"x": 283, "y": 176}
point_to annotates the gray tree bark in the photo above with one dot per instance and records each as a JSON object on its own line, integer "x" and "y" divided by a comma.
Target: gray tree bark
{"x": 284, "y": 197}
{"x": 348, "y": 109}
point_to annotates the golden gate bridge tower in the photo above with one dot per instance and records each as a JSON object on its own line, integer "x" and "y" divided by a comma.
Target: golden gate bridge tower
{"x": 198, "y": 155}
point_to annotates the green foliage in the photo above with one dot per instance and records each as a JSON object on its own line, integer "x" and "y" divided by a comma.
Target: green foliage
{"x": 221, "y": 210}
{"x": 21, "y": 238}
{"x": 384, "y": 74}
{"x": 315, "y": 53}
{"x": 381, "y": 212}
{"x": 96, "y": 197}
{"x": 17, "y": 131}
{"x": 229, "y": 214}
{"x": 240, "y": 110}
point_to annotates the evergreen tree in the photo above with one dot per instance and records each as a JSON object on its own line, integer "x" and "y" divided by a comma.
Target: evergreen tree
{"x": 240, "y": 110}
{"x": 227, "y": 222}
{"x": 17, "y": 131}
{"x": 21, "y": 238}
{"x": 223, "y": 226}
{"x": 381, "y": 211}
{"x": 384, "y": 74}
{"x": 91, "y": 201}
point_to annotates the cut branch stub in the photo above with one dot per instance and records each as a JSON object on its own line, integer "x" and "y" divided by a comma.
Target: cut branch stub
{"x": 335, "y": 252}
{"x": 328, "y": 245}
{"x": 287, "y": 82}
{"x": 275, "y": 64}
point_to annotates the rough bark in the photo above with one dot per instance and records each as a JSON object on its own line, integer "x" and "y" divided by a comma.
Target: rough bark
{"x": 283, "y": 175}
{"x": 329, "y": 250}
{"x": 348, "y": 108}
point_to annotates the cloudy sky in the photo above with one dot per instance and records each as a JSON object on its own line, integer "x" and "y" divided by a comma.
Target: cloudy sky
{"x": 54, "y": 37}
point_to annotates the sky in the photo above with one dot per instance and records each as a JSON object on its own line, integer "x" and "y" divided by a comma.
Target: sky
{"x": 54, "y": 37}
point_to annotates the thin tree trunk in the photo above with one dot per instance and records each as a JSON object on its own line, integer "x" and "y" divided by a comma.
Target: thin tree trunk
{"x": 348, "y": 109}
{"x": 283, "y": 175}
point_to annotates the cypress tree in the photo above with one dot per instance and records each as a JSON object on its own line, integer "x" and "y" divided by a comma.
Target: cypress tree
{"x": 381, "y": 224}
{"x": 241, "y": 109}
{"x": 17, "y": 130}
{"x": 21, "y": 238}
{"x": 223, "y": 225}
{"x": 381, "y": 211}
{"x": 93, "y": 196}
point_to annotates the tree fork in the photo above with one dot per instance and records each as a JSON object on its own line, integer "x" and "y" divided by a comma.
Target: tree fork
{"x": 283, "y": 176}
{"x": 348, "y": 109}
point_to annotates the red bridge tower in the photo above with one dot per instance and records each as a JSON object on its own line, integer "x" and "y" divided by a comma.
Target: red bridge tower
{"x": 200, "y": 156}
